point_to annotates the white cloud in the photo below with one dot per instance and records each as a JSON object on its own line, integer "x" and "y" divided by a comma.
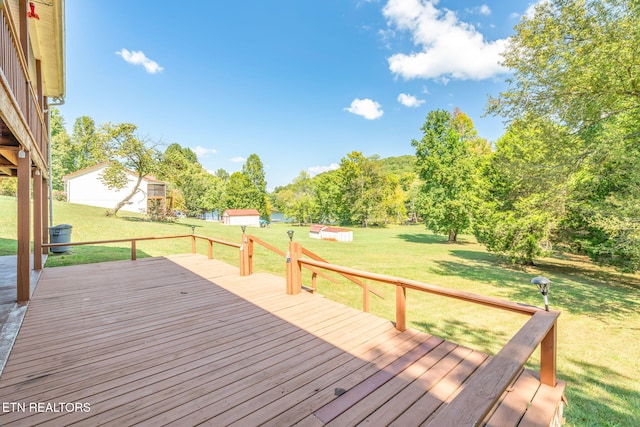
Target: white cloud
{"x": 315, "y": 170}
{"x": 138, "y": 57}
{"x": 531, "y": 10}
{"x": 238, "y": 159}
{"x": 479, "y": 10}
{"x": 448, "y": 47}
{"x": 366, "y": 108}
{"x": 202, "y": 152}
{"x": 410, "y": 100}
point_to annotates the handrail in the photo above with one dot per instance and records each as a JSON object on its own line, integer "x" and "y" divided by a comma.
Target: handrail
{"x": 432, "y": 289}
{"x": 360, "y": 283}
{"x": 133, "y": 241}
{"x": 539, "y": 330}
{"x": 21, "y": 91}
{"x": 266, "y": 245}
{"x": 249, "y": 240}
{"x": 482, "y": 391}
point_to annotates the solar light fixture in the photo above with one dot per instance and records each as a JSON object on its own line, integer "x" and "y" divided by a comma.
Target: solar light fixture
{"x": 193, "y": 229}
{"x": 290, "y": 233}
{"x": 244, "y": 227}
{"x": 543, "y": 286}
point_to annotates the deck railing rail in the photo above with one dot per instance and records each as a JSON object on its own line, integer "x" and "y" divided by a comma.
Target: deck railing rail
{"x": 133, "y": 241}
{"x": 481, "y": 393}
{"x": 249, "y": 241}
{"x": 15, "y": 72}
{"x": 483, "y": 390}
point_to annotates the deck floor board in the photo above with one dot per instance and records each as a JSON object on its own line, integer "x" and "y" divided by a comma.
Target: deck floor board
{"x": 183, "y": 340}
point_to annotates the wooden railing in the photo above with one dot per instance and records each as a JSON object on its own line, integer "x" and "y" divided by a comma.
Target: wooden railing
{"x": 484, "y": 389}
{"x": 249, "y": 240}
{"x": 482, "y": 392}
{"x": 15, "y": 71}
{"x": 133, "y": 241}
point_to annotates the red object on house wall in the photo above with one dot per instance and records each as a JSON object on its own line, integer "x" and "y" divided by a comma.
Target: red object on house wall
{"x": 32, "y": 13}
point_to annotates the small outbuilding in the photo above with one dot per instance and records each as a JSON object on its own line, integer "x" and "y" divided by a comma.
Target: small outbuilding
{"x": 86, "y": 187}
{"x": 250, "y": 217}
{"x": 327, "y": 232}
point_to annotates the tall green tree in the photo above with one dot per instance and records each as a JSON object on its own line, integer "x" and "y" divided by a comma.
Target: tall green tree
{"x": 448, "y": 157}
{"x": 364, "y": 188}
{"x": 201, "y": 190}
{"x": 125, "y": 150}
{"x": 297, "y": 199}
{"x": 526, "y": 193}
{"x": 577, "y": 63}
{"x": 89, "y": 144}
{"x": 239, "y": 192}
{"x": 62, "y": 154}
{"x": 256, "y": 192}
{"x": 327, "y": 197}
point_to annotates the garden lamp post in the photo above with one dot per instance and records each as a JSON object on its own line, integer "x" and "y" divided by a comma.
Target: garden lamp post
{"x": 193, "y": 229}
{"x": 290, "y": 233}
{"x": 244, "y": 227}
{"x": 543, "y": 285}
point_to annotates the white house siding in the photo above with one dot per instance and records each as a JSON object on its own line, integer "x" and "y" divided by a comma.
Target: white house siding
{"x": 88, "y": 189}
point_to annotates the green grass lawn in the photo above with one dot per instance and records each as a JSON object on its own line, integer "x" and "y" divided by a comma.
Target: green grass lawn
{"x": 599, "y": 330}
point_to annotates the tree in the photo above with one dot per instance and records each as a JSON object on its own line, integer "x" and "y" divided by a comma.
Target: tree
{"x": 526, "y": 191}
{"x": 125, "y": 150}
{"x": 575, "y": 63}
{"x": 238, "y": 192}
{"x": 89, "y": 146}
{"x": 256, "y": 191}
{"x": 447, "y": 162}
{"x": 327, "y": 197}
{"x": 179, "y": 166}
{"x": 364, "y": 188}
{"x": 603, "y": 207}
{"x": 62, "y": 153}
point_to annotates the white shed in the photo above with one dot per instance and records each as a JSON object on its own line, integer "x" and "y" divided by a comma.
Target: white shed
{"x": 86, "y": 188}
{"x": 250, "y": 217}
{"x": 326, "y": 232}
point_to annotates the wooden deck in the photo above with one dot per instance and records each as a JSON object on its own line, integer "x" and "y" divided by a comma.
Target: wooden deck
{"x": 184, "y": 340}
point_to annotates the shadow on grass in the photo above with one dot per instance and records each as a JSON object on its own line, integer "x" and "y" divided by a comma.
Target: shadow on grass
{"x": 175, "y": 223}
{"x": 8, "y": 247}
{"x": 422, "y": 238}
{"x": 91, "y": 254}
{"x": 612, "y": 405}
{"x": 458, "y": 331}
{"x": 576, "y": 290}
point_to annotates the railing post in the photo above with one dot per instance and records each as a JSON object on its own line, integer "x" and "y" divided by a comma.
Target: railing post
{"x": 249, "y": 255}
{"x": 294, "y": 269}
{"x": 244, "y": 257}
{"x": 37, "y": 220}
{"x": 401, "y": 308}
{"x": 242, "y": 267}
{"x": 548, "y": 357}
{"x": 133, "y": 250}
{"x": 193, "y": 244}
{"x": 210, "y": 249}
{"x": 365, "y": 297}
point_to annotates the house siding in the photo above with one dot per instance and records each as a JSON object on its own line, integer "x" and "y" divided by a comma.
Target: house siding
{"x": 88, "y": 189}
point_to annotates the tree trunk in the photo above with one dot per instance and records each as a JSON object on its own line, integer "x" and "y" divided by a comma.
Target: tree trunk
{"x": 114, "y": 211}
{"x": 453, "y": 235}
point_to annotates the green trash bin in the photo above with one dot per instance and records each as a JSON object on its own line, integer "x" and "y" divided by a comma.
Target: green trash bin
{"x": 60, "y": 234}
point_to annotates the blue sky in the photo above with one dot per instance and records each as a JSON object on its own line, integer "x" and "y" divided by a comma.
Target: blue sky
{"x": 300, "y": 83}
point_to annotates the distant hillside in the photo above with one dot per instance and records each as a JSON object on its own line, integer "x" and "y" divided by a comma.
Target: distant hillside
{"x": 399, "y": 165}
